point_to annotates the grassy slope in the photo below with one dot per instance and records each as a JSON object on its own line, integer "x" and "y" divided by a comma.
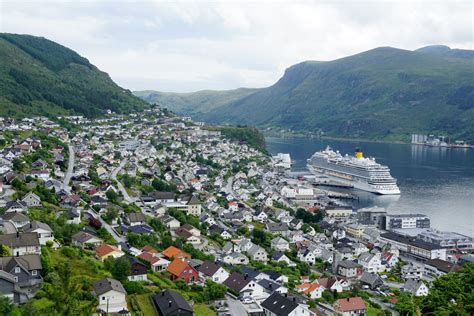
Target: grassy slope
{"x": 38, "y": 76}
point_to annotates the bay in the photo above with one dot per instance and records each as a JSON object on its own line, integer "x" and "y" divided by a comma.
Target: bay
{"x": 437, "y": 182}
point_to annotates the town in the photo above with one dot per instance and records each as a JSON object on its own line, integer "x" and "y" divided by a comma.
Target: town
{"x": 153, "y": 214}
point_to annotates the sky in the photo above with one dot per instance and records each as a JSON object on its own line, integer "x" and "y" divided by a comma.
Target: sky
{"x": 185, "y": 46}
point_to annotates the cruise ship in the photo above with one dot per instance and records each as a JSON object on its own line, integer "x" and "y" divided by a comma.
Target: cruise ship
{"x": 361, "y": 173}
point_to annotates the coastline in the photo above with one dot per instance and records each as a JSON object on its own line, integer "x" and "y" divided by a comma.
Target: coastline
{"x": 338, "y": 138}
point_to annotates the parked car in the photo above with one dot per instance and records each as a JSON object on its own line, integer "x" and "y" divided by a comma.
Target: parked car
{"x": 247, "y": 300}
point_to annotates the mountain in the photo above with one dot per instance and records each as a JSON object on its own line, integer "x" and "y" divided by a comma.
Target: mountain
{"x": 384, "y": 93}
{"x": 41, "y": 77}
{"x": 196, "y": 104}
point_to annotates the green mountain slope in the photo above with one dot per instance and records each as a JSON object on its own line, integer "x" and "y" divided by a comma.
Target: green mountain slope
{"x": 38, "y": 76}
{"x": 197, "y": 104}
{"x": 384, "y": 93}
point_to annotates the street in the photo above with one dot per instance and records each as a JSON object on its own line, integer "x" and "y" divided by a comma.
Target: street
{"x": 117, "y": 238}
{"x": 119, "y": 184}
{"x": 70, "y": 167}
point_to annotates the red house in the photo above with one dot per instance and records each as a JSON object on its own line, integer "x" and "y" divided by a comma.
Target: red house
{"x": 180, "y": 269}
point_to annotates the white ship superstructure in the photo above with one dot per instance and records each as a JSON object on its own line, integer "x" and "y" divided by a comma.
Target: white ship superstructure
{"x": 360, "y": 172}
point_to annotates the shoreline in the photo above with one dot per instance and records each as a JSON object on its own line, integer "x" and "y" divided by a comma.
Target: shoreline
{"x": 340, "y": 138}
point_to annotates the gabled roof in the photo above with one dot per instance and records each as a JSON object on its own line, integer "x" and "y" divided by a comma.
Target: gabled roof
{"x": 34, "y": 225}
{"x": 208, "y": 268}
{"x": 20, "y": 240}
{"x": 178, "y": 266}
{"x": 350, "y": 304}
{"x": 279, "y": 305}
{"x": 105, "y": 285}
{"x": 136, "y": 217}
{"x": 236, "y": 281}
{"x": 170, "y": 302}
{"x": 173, "y": 252}
{"x": 106, "y": 249}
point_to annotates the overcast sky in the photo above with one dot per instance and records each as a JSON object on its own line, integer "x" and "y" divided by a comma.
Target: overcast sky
{"x": 195, "y": 45}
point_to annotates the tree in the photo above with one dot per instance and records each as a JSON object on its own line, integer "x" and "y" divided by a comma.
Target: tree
{"x": 6, "y": 307}
{"x": 405, "y": 304}
{"x": 5, "y": 251}
{"x": 112, "y": 196}
{"x": 119, "y": 267}
{"x": 18, "y": 165}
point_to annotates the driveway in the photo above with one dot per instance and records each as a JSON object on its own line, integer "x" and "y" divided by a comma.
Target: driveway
{"x": 236, "y": 308}
{"x": 70, "y": 167}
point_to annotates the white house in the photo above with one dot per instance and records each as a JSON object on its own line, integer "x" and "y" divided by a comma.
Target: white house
{"x": 279, "y": 243}
{"x": 417, "y": 288}
{"x": 111, "y": 296}
{"x": 277, "y": 304}
{"x": 31, "y": 200}
{"x": 371, "y": 262}
{"x": 44, "y": 232}
{"x": 210, "y": 270}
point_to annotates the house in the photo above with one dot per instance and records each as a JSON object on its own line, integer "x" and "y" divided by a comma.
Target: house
{"x": 171, "y": 303}
{"x": 40, "y": 174}
{"x": 170, "y": 222}
{"x": 105, "y": 251}
{"x": 283, "y": 305}
{"x": 349, "y": 306}
{"x": 9, "y": 289}
{"x": 73, "y": 216}
{"x": 26, "y": 271}
{"x": 270, "y": 286}
{"x": 416, "y": 287}
{"x": 235, "y": 258}
{"x": 349, "y": 269}
{"x": 17, "y": 219}
{"x": 84, "y": 239}
{"x": 111, "y": 296}
{"x": 372, "y": 280}
{"x": 212, "y": 271}
{"x": 371, "y": 263}
{"x": 138, "y": 271}
{"x": 180, "y": 269}
{"x": 277, "y": 228}
{"x": 279, "y": 256}
{"x": 334, "y": 283}
{"x": 243, "y": 286}
{"x": 187, "y": 236}
{"x": 157, "y": 263}
{"x": 280, "y": 244}
{"x": 137, "y": 218}
{"x": 15, "y": 206}
{"x": 313, "y": 290}
{"x": 257, "y": 253}
{"x": 193, "y": 206}
{"x": 31, "y": 200}
{"x": 173, "y": 253}
{"x": 22, "y": 243}
{"x": 306, "y": 255}
{"x": 45, "y": 233}
{"x": 438, "y": 267}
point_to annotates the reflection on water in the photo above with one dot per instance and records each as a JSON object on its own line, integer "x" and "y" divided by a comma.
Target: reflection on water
{"x": 438, "y": 182}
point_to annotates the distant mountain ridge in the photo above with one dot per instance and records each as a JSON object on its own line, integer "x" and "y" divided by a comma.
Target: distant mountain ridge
{"x": 384, "y": 93}
{"x": 41, "y": 77}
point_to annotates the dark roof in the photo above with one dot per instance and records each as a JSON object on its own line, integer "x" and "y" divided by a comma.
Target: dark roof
{"x": 279, "y": 305}
{"x": 171, "y": 302}
{"x": 250, "y": 272}
{"x": 162, "y": 195}
{"x": 208, "y": 268}
{"x": 443, "y": 266}
{"x": 107, "y": 284}
{"x": 408, "y": 240}
{"x": 272, "y": 274}
{"x": 236, "y": 281}
{"x": 348, "y": 264}
{"x": 371, "y": 278}
{"x": 273, "y": 227}
{"x": 269, "y": 285}
{"x": 15, "y": 217}
{"x": 19, "y": 240}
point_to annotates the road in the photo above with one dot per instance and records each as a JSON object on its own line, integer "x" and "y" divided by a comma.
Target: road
{"x": 119, "y": 184}
{"x": 107, "y": 226}
{"x": 70, "y": 167}
{"x": 384, "y": 305}
{"x": 236, "y": 308}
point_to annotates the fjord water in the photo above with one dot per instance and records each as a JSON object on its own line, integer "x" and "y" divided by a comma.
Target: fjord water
{"x": 438, "y": 182}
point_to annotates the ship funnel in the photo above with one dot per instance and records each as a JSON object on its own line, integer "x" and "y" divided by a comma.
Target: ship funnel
{"x": 358, "y": 153}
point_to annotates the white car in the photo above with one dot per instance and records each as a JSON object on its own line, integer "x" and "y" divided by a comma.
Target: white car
{"x": 247, "y": 300}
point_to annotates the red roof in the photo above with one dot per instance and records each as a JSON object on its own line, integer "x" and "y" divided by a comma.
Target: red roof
{"x": 178, "y": 266}
{"x": 105, "y": 249}
{"x": 349, "y": 304}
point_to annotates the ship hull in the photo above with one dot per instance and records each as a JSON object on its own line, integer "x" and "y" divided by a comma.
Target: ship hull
{"x": 361, "y": 185}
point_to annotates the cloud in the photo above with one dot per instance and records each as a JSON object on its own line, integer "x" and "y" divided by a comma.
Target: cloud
{"x": 192, "y": 45}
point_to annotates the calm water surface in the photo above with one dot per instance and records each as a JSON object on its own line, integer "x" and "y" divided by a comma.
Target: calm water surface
{"x": 438, "y": 182}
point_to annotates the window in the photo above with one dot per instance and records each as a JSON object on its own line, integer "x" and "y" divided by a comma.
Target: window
{"x": 34, "y": 272}
{"x": 17, "y": 270}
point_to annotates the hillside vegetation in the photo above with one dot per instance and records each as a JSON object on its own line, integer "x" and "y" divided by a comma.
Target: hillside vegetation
{"x": 385, "y": 93}
{"x": 41, "y": 77}
{"x": 195, "y": 104}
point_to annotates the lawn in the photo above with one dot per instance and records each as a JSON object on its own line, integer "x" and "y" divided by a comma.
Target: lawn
{"x": 372, "y": 311}
{"x": 203, "y": 310}
{"x": 141, "y": 304}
